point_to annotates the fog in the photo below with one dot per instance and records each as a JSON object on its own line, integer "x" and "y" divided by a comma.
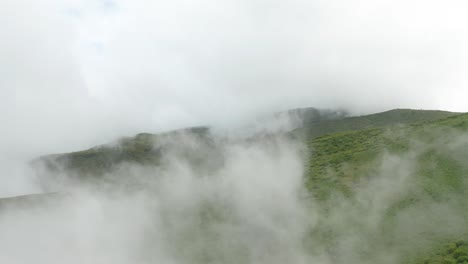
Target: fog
{"x": 247, "y": 210}
{"x": 79, "y": 73}
{"x": 248, "y": 205}
{"x": 75, "y": 74}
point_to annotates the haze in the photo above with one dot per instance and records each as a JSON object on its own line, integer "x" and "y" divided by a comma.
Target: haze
{"x": 77, "y": 73}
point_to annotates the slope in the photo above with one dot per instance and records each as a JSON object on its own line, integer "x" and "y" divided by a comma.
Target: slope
{"x": 148, "y": 148}
{"x": 388, "y": 187}
{"x": 399, "y": 188}
{"x": 314, "y": 127}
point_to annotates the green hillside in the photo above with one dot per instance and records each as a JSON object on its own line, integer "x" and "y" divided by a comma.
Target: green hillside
{"x": 349, "y": 154}
{"x": 314, "y": 127}
{"x": 430, "y": 160}
{"x": 143, "y": 149}
{"x": 148, "y": 148}
{"x": 386, "y": 184}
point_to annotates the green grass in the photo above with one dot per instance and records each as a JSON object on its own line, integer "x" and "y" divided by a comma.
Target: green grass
{"x": 341, "y": 163}
{"x": 455, "y": 252}
{"x": 143, "y": 149}
{"x": 347, "y": 155}
{"x": 317, "y": 127}
{"x": 343, "y": 158}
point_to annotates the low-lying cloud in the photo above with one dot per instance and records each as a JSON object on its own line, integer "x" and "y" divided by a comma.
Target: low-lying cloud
{"x": 80, "y": 73}
{"x": 246, "y": 211}
{"x": 251, "y": 206}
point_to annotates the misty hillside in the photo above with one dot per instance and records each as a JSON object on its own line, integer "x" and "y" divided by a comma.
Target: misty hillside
{"x": 180, "y": 132}
{"x": 400, "y": 168}
{"x": 148, "y": 148}
{"x": 432, "y": 154}
{"x": 314, "y": 127}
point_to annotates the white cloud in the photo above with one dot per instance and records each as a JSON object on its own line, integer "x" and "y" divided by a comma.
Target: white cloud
{"x": 78, "y": 73}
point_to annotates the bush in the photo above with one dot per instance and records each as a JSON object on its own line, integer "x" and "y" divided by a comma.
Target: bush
{"x": 449, "y": 260}
{"x": 462, "y": 259}
{"x": 461, "y": 251}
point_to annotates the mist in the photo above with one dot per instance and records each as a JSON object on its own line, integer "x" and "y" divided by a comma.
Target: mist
{"x": 246, "y": 210}
{"x": 79, "y": 74}
{"x": 238, "y": 201}
{"x": 76, "y": 74}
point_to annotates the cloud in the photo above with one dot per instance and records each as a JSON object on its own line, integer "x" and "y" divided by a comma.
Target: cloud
{"x": 79, "y": 73}
{"x": 250, "y": 208}
{"x": 248, "y": 56}
{"x": 74, "y": 74}
{"x": 247, "y": 211}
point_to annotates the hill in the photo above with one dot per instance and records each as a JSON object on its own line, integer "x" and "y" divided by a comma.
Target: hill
{"x": 147, "y": 148}
{"x": 315, "y": 127}
{"x": 417, "y": 171}
{"x": 386, "y": 184}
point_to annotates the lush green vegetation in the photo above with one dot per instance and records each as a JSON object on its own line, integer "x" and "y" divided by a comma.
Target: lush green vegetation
{"x": 436, "y": 151}
{"x": 144, "y": 149}
{"x": 148, "y": 148}
{"x": 340, "y": 159}
{"x": 352, "y": 159}
{"x": 315, "y": 127}
{"x": 450, "y": 253}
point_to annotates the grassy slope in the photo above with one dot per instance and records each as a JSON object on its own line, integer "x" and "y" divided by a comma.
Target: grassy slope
{"x": 345, "y": 153}
{"x": 349, "y": 155}
{"x": 141, "y": 148}
{"x": 318, "y": 127}
{"x": 144, "y": 148}
{"x": 342, "y": 161}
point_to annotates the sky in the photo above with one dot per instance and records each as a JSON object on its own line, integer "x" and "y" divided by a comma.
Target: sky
{"x": 74, "y": 74}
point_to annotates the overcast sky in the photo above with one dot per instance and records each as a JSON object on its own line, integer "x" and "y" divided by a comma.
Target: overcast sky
{"x": 77, "y": 73}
